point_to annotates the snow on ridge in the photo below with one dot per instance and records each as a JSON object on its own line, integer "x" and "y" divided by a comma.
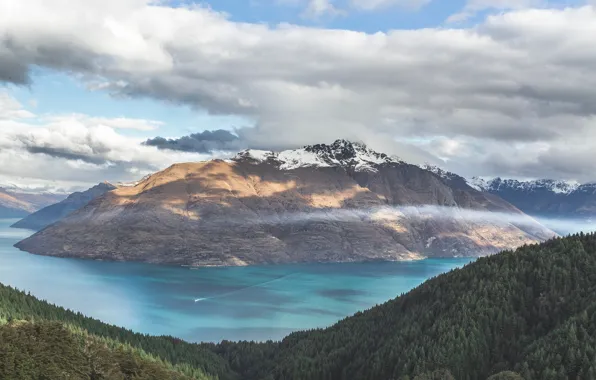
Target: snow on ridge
{"x": 477, "y": 183}
{"x": 340, "y": 153}
{"x": 133, "y": 183}
{"x": 255, "y": 154}
{"x": 555, "y": 186}
{"x": 496, "y": 184}
{"x": 438, "y": 171}
{"x": 299, "y": 158}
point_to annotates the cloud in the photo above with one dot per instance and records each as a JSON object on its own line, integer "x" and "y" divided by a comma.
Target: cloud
{"x": 473, "y": 7}
{"x": 75, "y": 151}
{"x": 202, "y": 142}
{"x": 318, "y": 8}
{"x": 370, "y": 5}
{"x": 116, "y": 123}
{"x": 11, "y": 109}
{"x": 507, "y": 95}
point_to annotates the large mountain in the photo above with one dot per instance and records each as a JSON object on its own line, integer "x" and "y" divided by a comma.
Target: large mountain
{"x": 55, "y": 212}
{"x": 546, "y": 198}
{"x": 321, "y": 203}
{"x": 17, "y": 204}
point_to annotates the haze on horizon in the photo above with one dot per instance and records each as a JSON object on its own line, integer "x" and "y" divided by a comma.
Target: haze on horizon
{"x": 117, "y": 89}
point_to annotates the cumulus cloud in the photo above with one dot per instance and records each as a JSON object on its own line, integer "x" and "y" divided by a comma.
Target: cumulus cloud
{"x": 65, "y": 152}
{"x": 317, "y": 8}
{"x": 507, "y": 95}
{"x": 202, "y": 142}
{"x": 11, "y": 109}
{"x": 116, "y": 123}
{"x": 370, "y": 5}
{"x": 473, "y": 7}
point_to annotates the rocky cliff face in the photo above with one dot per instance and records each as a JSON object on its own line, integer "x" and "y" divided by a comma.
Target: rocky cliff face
{"x": 15, "y": 204}
{"x": 55, "y": 212}
{"x": 322, "y": 203}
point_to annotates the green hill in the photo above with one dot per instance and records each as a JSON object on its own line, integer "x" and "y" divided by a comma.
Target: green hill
{"x": 169, "y": 353}
{"x": 528, "y": 314}
{"x": 530, "y": 311}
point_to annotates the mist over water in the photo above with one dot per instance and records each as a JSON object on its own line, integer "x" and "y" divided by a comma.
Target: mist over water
{"x": 385, "y": 213}
{"x": 245, "y": 217}
{"x": 238, "y": 303}
{"x": 561, "y": 226}
{"x": 428, "y": 212}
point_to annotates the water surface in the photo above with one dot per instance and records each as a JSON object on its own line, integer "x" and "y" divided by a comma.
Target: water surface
{"x": 211, "y": 304}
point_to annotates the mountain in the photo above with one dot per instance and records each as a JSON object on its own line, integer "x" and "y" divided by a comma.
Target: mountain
{"x": 545, "y": 198}
{"x": 17, "y": 204}
{"x": 525, "y": 314}
{"x": 55, "y": 212}
{"x": 322, "y": 203}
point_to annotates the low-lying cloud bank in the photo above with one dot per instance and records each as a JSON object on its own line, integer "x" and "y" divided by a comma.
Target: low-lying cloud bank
{"x": 420, "y": 213}
{"x": 395, "y": 214}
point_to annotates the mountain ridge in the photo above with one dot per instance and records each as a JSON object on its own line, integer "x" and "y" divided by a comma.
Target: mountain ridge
{"x": 55, "y": 212}
{"x": 545, "y": 197}
{"x": 266, "y": 202}
{"x": 15, "y": 204}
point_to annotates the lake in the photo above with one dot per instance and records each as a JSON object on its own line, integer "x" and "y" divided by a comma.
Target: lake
{"x": 211, "y": 304}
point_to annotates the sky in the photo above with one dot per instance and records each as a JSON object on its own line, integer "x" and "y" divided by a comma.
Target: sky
{"x": 116, "y": 89}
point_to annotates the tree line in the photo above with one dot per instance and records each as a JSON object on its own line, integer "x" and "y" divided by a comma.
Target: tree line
{"x": 524, "y": 314}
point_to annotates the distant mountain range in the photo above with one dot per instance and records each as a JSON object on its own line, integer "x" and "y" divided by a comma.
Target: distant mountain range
{"x": 17, "y": 204}
{"x": 56, "y": 212}
{"x": 322, "y": 203}
{"x": 546, "y": 198}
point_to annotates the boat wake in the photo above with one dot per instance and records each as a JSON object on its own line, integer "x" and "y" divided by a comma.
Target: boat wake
{"x": 243, "y": 289}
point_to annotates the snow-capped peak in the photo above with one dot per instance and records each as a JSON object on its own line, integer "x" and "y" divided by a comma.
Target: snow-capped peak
{"x": 477, "y": 183}
{"x": 558, "y": 187}
{"x": 440, "y": 172}
{"x": 340, "y": 153}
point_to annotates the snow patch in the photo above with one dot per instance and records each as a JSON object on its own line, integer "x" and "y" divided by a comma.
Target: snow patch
{"x": 477, "y": 183}
{"x": 299, "y": 158}
{"x": 341, "y": 153}
{"x": 557, "y": 187}
{"x": 134, "y": 183}
{"x": 255, "y": 155}
{"x": 430, "y": 240}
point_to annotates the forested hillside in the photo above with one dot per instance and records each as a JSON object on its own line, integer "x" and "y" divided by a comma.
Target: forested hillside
{"x": 171, "y": 353}
{"x": 530, "y": 311}
{"x": 49, "y": 350}
{"x": 528, "y": 314}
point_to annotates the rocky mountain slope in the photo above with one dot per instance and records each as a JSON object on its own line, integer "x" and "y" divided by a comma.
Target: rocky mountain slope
{"x": 322, "y": 203}
{"x": 546, "y": 198}
{"x": 55, "y": 212}
{"x": 15, "y": 204}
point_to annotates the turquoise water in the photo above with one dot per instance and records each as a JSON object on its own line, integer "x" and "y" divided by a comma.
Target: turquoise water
{"x": 252, "y": 303}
